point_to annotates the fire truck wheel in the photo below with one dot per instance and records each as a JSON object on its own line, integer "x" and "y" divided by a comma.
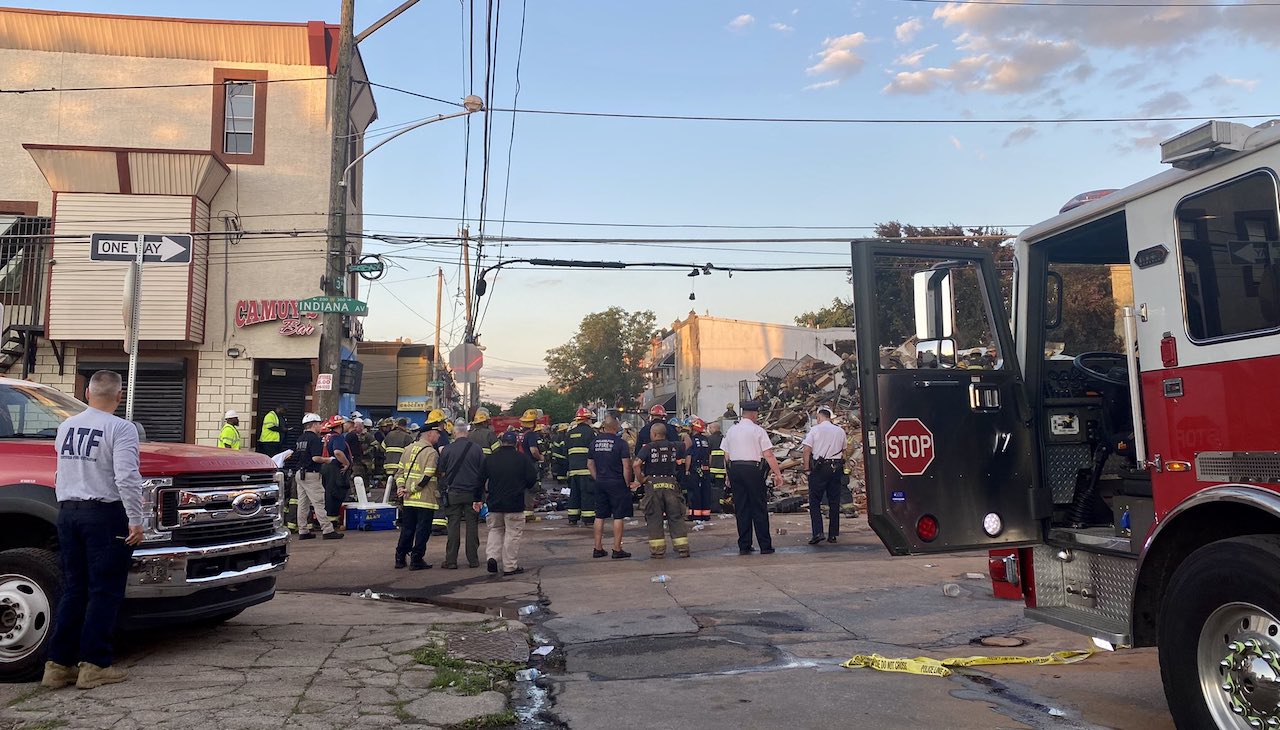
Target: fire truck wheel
{"x": 1220, "y": 636}
{"x": 30, "y": 586}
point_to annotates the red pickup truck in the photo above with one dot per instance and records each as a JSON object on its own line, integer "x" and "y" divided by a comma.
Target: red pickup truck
{"x": 212, "y": 517}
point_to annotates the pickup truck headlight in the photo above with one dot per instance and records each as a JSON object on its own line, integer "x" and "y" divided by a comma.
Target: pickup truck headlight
{"x": 150, "y": 520}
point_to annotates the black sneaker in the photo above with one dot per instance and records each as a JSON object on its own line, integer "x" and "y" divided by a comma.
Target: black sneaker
{"x": 816, "y": 539}
{"x": 419, "y": 565}
{"x": 766, "y": 551}
{"x": 831, "y": 539}
{"x": 306, "y": 535}
{"x": 492, "y": 566}
{"x": 335, "y": 535}
{"x": 599, "y": 553}
{"x": 400, "y": 563}
{"x": 746, "y": 551}
{"x": 517, "y": 571}
{"x": 621, "y": 554}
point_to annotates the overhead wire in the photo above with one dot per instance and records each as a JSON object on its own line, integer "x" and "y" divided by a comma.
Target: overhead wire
{"x": 1102, "y": 4}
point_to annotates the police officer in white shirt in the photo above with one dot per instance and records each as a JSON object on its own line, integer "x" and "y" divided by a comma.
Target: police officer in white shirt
{"x": 99, "y": 494}
{"x": 824, "y": 463}
{"x": 747, "y": 448}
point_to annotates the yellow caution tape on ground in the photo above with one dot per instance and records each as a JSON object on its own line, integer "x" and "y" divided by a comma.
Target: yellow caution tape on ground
{"x": 939, "y": 667}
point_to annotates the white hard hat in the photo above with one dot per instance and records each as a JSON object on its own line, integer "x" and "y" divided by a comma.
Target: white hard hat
{"x": 231, "y": 414}
{"x": 357, "y": 415}
{"x": 311, "y": 418}
{"x": 368, "y": 422}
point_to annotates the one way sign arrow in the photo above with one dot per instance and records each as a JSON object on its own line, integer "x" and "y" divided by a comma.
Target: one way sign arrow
{"x": 172, "y": 248}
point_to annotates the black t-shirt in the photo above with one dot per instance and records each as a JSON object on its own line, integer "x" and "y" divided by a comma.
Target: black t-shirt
{"x": 661, "y": 459}
{"x": 354, "y": 449}
{"x": 533, "y": 440}
{"x": 607, "y": 452}
{"x": 309, "y": 446}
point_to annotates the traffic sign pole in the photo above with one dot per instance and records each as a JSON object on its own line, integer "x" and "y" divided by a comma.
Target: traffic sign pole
{"x": 135, "y": 321}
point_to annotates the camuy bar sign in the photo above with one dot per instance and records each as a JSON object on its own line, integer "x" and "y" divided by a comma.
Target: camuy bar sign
{"x": 257, "y": 311}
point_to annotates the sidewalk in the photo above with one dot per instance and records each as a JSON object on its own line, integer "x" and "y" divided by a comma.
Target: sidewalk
{"x": 305, "y": 661}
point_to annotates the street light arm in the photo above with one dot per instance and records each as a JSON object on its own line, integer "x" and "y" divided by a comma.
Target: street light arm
{"x": 410, "y": 128}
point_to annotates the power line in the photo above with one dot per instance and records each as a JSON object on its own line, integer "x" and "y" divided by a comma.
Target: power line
{"x": 1086, "y": 4}
{"x": 874, "y": 120}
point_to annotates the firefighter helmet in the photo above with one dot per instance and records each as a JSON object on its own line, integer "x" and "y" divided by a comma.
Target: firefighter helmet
{"x": 482, "y": 415}
{"x": 529, "y": 417}
{"x": 561, "y": 428}
{"x": 435, "y": 419}
{"x": 698, "y": 425}
{"x": 584, "y": 414}
{"x": 658, "y": 411}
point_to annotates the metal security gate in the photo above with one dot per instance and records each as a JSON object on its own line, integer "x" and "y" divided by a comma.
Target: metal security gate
{"x": 287, "y": 383}
{"x": 160, "y": 397}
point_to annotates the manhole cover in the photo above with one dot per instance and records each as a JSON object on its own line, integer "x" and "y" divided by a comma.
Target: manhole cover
{"x": 1002, "y": 642}
{"x": 479, "y": 646}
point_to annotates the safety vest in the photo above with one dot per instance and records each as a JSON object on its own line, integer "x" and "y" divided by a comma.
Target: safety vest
{"x": 269, "y": 422}
{"x": 229, "y": 438}
{"x": 419, "y": 462}
{"x": 394, "y": 445}
{"x": 579, "y": 440}
{"x": 716, "y": 460}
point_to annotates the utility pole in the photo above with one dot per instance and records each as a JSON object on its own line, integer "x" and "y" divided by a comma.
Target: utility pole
{"x": 435, "y": 355}
{"x": 473, "y": 388}
{"x": 335, "y": 270}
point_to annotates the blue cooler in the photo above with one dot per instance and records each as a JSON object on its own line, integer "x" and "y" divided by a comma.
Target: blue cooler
{"x": 369, "y": 516}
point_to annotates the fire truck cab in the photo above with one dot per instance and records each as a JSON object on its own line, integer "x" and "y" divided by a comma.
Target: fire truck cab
{"x": 1122, "y": 452}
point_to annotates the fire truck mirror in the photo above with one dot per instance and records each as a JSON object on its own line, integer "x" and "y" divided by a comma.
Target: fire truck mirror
{"x": 933, "y": 354}
{"x": 934, "y": 307}
{"x": 1053, "y": 301}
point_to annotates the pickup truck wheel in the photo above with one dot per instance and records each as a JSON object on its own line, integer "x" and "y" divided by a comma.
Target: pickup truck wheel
{"x": 30, "y": 586}
{"x": 1220, "y": 636}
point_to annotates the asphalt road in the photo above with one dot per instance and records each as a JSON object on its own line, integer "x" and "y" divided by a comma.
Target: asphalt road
{"x": 757, "y": 641}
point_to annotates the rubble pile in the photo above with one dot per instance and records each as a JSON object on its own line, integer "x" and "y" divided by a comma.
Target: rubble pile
{"x": 786, "y": 414}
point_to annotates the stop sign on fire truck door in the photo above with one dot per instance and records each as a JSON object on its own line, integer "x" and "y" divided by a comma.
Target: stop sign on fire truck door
{"x": 908, "y": 445}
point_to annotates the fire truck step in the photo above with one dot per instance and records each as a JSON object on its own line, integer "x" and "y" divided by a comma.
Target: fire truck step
{"x": 1081, "y": 622}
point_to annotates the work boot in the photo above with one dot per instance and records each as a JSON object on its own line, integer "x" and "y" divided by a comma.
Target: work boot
{"x": 400, "y": 562}
{"x": 419, "y": 565}
{"x": 492, "y": 566}
{"x": 831, "y": 539}
{"x": 816, "y": 539}
{"x": 57, "y": 676}
{"x": 599, "y": 553}
{"x": 92, "y": 675}
{"x": 335, "y": 535}
{"x": 306, "y": 535}
{"x": 657, "y": 556}
{"x": 682, "y": 553}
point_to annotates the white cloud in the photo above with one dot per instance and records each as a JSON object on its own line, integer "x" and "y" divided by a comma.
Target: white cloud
{"x": 994, "y": 65}
{"x": 822, "y": 85}
{"x": 914, "y": 57}
{"x": 906, "y": 32}
{"x": 839, "y": 56}
{"x": 742, "y": 22}
{"x": 781, "y": 27}
{"x": 955, "y": 142}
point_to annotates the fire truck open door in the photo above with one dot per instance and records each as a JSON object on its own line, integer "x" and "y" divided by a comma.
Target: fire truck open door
{"x": 950, "y": 453}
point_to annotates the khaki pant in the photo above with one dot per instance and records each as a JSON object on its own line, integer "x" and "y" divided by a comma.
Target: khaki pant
{"x": 665, "y": 502}
{"x": 505, "y": 529}
{"x": 311, "y": 496}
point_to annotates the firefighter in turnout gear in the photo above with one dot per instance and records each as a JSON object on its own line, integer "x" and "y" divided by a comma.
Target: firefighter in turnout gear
{"x": 560, "y": 454}
{"x": 439, "y": 523}
{"x": 418, "y": 486}
{"x": 659, "y": 466}
{"x": 582, "y": 488}
{"x": 698, "y": 480}
{"x": 481, "y": 433}
{"x": 531, "y": 444}
{"x": 718, "y": 469}
{"x": 393, "y": 445}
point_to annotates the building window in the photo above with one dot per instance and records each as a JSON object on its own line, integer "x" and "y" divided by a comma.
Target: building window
{"x": 239, "y": 115}
{"x": 1230, "y": 246}
{"x": 238, "y": 118}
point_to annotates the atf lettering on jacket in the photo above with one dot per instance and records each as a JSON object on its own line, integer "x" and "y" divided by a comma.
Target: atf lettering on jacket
{"x": 82, "y": 444}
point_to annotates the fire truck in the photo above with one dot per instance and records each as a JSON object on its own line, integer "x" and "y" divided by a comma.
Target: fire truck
{"x": 1101, "y": 411}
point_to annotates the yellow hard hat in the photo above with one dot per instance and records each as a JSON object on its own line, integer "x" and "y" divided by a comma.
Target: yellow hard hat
{"x": 562, "y": 427}
{"x": 448, "y": 427}
{"x": 482, "y": 415}
{"x": 529, "y": 416}
{"x": 435, "y": 418}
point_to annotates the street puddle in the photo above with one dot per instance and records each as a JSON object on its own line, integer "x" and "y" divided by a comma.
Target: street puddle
{"x": 1017, "y": 704}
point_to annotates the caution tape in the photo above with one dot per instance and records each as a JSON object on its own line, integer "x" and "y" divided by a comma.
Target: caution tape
{"x": 940, "y": 667}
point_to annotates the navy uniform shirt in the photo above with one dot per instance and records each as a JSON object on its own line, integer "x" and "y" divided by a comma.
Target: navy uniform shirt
{"x": 608, "y": 451}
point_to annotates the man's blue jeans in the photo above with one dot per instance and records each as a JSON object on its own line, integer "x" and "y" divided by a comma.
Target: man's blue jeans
{"x": 95, "y": 567}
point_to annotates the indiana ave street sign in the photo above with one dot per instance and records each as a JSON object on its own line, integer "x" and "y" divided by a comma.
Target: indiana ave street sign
{"x": 333, "y": 305}
{"x": 158, "y": 248}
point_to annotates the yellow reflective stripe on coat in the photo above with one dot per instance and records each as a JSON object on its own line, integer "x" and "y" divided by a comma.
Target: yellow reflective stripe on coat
{"x": 579, "y": 450}
{"x": 579, "y": 472}
{"x": 941, "y": 667}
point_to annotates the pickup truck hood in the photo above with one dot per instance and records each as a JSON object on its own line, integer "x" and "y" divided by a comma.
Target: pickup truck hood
{"x": 33, "y": 461}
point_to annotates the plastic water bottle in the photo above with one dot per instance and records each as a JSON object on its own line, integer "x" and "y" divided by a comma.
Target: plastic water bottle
{"x": 527, "y": 675}
{"x": 484, "y": 511}
{"x": 660, "y": 579}
{"x": 951, "y": 590}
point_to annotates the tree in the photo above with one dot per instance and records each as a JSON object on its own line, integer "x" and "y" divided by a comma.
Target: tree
{"x": 559, "y": 406}
{"x": 494, "y": 408}
{"x": 839, "y": 314}
{"x": 603, "y": 360}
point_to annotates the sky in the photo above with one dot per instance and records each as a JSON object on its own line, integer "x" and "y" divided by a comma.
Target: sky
{"x": 964, "y": 64}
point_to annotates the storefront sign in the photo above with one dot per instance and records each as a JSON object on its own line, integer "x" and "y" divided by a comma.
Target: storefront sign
{"x": 256, "y": 311}
{"x": 412, "y": 403}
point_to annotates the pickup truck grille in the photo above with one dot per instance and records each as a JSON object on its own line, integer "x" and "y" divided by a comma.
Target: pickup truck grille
{"x": 220, "y": 532}
{"x": 212, "y": 508}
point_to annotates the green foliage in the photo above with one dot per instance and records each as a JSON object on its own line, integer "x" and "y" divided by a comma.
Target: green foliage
{"x": 839, "y": 314}
{"x": 494, "y": 408}
{"x": 467, "y": 677}
{"x": 504, "y": 719}
{"x": 559, "y": 406}
{"x": 1088, "y": 310}
{"x": 603, "y": 360}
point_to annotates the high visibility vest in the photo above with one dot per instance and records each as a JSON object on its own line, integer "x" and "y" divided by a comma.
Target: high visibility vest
{"x": 419, "y": 462}
{"x": 716, "y": 461}
{"x": 579, "y": 441}
{"x": 269, "y": 422}
{"x": 229, "y": 438}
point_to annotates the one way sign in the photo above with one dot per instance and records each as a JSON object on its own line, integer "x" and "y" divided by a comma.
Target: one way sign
{"x": 172, "y": 248}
